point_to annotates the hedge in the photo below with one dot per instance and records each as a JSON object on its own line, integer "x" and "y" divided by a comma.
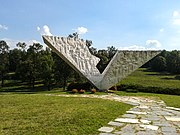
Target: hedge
{"x": 149, "y": 89}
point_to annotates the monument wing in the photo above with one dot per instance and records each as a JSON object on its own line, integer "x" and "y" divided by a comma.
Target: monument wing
{"x": 75, "y": 53}
{"x": 123, "y": 64}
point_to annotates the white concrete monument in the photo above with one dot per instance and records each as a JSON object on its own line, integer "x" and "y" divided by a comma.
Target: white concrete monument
{"x": 75, "y": 53}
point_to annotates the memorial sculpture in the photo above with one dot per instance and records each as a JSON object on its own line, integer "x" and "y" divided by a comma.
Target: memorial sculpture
{"x": 75, "y": 53}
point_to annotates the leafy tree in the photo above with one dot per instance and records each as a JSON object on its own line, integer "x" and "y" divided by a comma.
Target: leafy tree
{"x": 105, "y": 57}
{"x": 74, "y": 35}
{"x": 88, "y": 43}
{"x": 111, "y": 52}
{"x": 29, "y": 67}
{"x": 63, "y": 71}
{"x": 34, "y": 61}
{"x": 23, "y": 71}
{"x": 159, "y": 64}
{"x": 15, "y": 57}
{"x": 4, "y": 60}
{"x": 173, "y": 62}
{"x": 46, "y": 69}
{"x": 164, "y": 53}
{"x": 21, "y": 45}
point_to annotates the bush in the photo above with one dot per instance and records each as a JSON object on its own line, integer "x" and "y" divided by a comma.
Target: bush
{"x": 85, "y": 86}
{"x": 81, "y": 91}
{"x": 132, "y": 90}
{"x": 74, "y": 91}
{"x": 113, "y": 88}
{"x": 93, "y": 91}
{"x": 150, "y": 89}
{"x": 159, "y": 64}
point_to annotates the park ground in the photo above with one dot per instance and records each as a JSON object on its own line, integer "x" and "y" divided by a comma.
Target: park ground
{"x": 26, "y": 112}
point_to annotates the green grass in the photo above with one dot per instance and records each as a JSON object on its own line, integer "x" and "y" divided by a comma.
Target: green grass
{"x": 170, "y": 100}
{"x": 40, "y": 114}
{"x": 147, "y": 78}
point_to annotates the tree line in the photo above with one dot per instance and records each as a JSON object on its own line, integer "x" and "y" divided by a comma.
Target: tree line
{"x": 166, "y": 61}
{"x": 34, "y": 64}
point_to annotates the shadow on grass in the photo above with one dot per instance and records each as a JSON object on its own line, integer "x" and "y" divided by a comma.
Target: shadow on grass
{"x": 171, "y": 78}
{"x": 177, "y": 77}
{"x": 153, "y": 73}
{"x": 17, "y": 87}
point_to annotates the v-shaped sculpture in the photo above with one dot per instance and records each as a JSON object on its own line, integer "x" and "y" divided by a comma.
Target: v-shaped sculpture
{"x": 75, "y": 53}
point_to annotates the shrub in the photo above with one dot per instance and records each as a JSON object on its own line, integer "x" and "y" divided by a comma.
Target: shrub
{"x": 149, "y": 89}
{"x": 81, "y": 91}
{"x": 93, "y": 91}
{"x": 74, "y": 91}
{"x": 113, "y": 88}
{"x": 85, "y": 86}
{"x": 132, "y": 90}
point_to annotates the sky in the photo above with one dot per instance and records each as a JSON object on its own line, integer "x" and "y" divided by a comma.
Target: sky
{"x": 124, "y": 24}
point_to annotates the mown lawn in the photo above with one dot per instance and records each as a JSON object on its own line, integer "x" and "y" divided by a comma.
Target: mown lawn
{"x": 40, "y": 114}
{"x": 146, "y": 78}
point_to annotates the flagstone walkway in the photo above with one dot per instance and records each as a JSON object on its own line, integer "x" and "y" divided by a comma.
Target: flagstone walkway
{"x": 147, "y": 117}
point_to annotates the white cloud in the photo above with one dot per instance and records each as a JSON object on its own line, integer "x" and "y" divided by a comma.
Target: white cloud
{"x": 81, "y": 30}
{"x": 12, "y": 42}
{"x": 176, "y": 21}
{"x": 175, "y": 13}
{"x": 45, "y": 30}
{"x": 30, "y": 42}
{"x": 153, "y": 44}
{"x": 3, "y": 27}
{"x": 150, "y": 45}
{"x": 38, "y": 28}
{"x": 161, "y": 30}
{"x": 133, "y": 47}
{"x": 178, "y": 31}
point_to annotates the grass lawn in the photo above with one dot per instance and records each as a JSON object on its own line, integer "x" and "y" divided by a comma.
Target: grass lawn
{"x": 41, "y": 114}
{"x": 147, "y": 78}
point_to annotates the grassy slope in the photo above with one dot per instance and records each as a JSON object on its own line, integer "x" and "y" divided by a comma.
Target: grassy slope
{"x": 40, "y": 114}
{"x": 147, "y": 78}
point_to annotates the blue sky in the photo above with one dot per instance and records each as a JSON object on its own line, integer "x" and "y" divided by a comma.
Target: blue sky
{"x": 125, "y": 24}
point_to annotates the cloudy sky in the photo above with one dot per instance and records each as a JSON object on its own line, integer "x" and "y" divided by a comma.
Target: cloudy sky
{"x": 125, "y": 24}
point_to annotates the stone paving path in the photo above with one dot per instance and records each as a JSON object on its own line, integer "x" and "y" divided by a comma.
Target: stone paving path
{"x": 147, "y": 117}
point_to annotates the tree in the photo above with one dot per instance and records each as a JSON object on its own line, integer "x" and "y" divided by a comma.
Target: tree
{"x": 111, "y": 52}
{"x": 74, "y": 35}
{"x": 159, "y": 64}
{"x": 46, "y": 68}
{"x": 4, "y": 60}
{"x": 29, "y": 67}
{"x": 103, "y": 55}
{"x": 173, "y": 62}
{"x": 21, "y": 45}
{"x": 63, "y": 71}
{"x": 34, "y": 61}
{"x": 88, "y": 43}
{"x": 15, "y": 57}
